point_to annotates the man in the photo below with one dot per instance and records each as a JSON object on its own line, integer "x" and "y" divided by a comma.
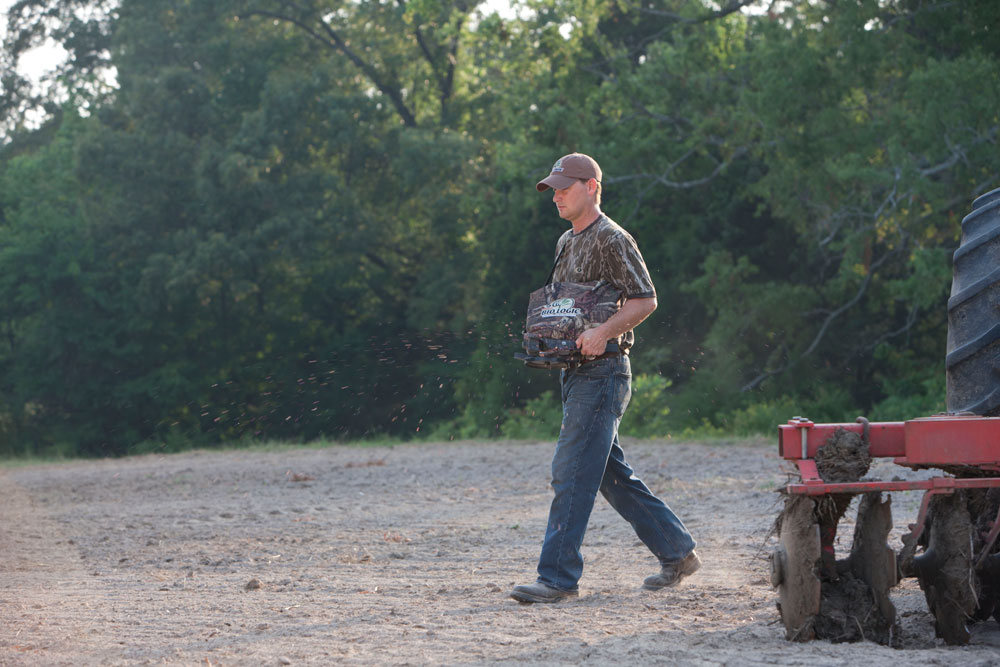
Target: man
{"x": 588, "y": 457}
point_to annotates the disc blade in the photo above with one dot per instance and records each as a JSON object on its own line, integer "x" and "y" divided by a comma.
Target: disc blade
{"x": 799, "y": 554}
{"x": 945, "y": 569}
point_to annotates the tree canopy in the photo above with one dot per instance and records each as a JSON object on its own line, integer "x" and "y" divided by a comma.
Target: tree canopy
{"x": 228, "y": 219}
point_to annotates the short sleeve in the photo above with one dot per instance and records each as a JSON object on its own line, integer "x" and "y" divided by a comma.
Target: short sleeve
{"x": 626, "y": 268}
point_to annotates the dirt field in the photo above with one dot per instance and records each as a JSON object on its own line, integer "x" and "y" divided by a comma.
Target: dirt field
{"x": 401, "y": 555}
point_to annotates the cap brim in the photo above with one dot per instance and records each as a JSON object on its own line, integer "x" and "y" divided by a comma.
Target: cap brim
{"x": 555, "y": 181}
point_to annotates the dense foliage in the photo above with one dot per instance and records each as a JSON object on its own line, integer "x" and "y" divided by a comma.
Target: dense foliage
{"x": 223, "y": 219}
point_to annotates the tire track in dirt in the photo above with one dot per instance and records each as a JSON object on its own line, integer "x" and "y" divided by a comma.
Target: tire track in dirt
{"x": 49, "y": 612}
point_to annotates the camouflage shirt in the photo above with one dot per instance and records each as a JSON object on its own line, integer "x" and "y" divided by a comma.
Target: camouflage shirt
{"x": 604, "y": 251}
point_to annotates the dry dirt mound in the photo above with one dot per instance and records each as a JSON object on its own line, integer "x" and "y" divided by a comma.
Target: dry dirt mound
{"x": 400, "y": 555}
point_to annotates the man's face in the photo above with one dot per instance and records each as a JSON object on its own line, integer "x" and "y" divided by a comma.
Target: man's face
{"x": 574, "y": 201}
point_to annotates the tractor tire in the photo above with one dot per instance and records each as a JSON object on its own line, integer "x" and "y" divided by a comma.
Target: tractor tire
{"x": 972, "y": 363}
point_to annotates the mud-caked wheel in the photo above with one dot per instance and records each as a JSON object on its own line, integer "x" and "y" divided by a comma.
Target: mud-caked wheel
{"x": 794, "y": 568}
{"x": 984, "y": 511}
{"x": 872, "y": 560}
{"x": 945, "y": 568}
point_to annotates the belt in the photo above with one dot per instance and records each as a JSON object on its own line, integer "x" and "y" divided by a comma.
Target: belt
{"x": 606, "y": 355}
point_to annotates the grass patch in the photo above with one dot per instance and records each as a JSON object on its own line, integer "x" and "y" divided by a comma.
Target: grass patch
{"x": 164, "y": 449}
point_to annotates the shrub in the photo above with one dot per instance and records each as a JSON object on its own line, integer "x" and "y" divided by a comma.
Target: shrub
{"x": 647, "y": 415}
{"x": 539, "y": 419}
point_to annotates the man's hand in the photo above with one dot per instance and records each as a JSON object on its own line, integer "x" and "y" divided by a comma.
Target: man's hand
{"x": 593, "y": 342}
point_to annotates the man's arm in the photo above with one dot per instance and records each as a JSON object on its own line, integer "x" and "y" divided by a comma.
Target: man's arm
{"x": 593, "y": 342}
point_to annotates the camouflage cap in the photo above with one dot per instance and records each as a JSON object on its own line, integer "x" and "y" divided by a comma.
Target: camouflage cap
{"x": 575, "y": 166}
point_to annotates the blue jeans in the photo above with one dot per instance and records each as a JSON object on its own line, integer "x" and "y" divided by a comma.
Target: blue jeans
{"x": 589, "y": 459}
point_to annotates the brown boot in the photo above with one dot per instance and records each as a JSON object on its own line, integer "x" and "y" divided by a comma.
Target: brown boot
{"x": 672, "y": 573}
{"x": 540, "y": 592}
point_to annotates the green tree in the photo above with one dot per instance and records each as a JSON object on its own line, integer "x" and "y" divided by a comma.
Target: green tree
{"x": 318, "y": 218}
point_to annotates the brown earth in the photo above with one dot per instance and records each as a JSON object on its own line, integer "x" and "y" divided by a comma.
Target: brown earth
{"x": 403, "y": 555}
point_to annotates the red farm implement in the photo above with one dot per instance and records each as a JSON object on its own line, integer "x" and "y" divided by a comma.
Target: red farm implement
{"x": 952, "y": 548}
{"x": 948, "y": 549}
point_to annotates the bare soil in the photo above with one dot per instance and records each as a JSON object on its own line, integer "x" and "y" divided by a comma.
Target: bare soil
{"x": 404, "y": 555}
